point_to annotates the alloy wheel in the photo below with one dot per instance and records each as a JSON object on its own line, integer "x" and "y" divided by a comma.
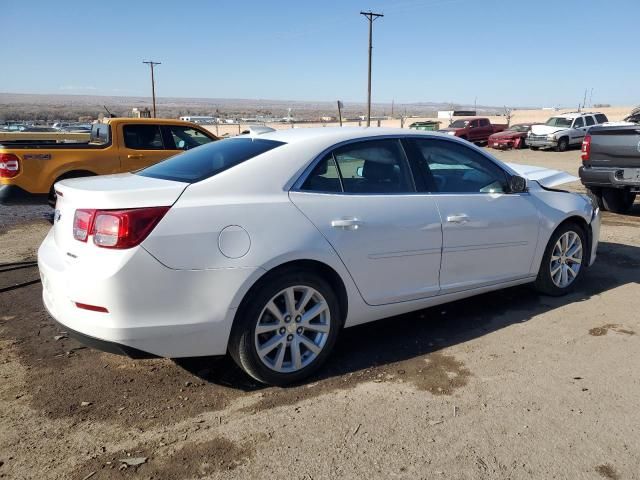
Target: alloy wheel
{"x": 292, "y": 329}
{"x": 566, "y": 259}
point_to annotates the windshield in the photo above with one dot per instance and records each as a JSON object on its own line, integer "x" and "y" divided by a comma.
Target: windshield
{"x": 208, "y": 160}
{"x": 459, "y": 124}
{"x": 559, "y": 122}
{"x": 518, "y": 128}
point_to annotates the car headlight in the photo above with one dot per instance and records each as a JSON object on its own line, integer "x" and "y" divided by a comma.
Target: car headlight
{"x": 551, "y": 137}
{"x": 451, "y": 133}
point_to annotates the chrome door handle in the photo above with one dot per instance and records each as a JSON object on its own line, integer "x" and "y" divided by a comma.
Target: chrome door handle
{"x": 135, "y": 155}
{"x": 346, "y": 223}
{"x": 459, "y": 218}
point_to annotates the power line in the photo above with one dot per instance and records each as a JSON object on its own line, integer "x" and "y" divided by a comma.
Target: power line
{"x": 152, "y": 64}
{"x": 371, "y": 17}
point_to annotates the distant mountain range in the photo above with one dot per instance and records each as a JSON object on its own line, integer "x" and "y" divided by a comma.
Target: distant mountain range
{"x": 71, "y": 106}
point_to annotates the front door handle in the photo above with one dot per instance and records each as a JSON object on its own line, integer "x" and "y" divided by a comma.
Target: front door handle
{"x": 346, "y": 223}
{"x": 458, "y": 218}
{"x": 134, "y": 156}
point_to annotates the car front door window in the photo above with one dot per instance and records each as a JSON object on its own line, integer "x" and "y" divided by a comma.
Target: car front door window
{"x": 453, "y": 168}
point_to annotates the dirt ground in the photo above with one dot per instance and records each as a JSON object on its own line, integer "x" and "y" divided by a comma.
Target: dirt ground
{"x": 506, "y": 385}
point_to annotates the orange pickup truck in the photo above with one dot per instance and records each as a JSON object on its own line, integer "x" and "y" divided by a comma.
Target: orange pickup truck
{"x": 28, "y": 170}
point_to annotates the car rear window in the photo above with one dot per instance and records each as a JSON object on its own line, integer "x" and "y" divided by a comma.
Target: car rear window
{"x": 208, "y": 160}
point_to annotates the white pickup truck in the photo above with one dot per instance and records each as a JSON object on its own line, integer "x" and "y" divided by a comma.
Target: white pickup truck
{"x": 564, "y": 130}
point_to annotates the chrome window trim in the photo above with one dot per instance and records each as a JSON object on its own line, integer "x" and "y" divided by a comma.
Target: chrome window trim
{"x": 297, "y": 185}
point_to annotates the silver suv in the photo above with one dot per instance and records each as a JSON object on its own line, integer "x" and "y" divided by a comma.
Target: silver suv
{"x": 564, "y": 130}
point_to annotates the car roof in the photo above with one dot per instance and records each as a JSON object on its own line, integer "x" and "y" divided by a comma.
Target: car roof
{"x": 576, "y": 114}
{"x": 337, "y": 134}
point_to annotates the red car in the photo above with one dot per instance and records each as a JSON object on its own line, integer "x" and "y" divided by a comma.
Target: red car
{"x": 513, "y": 137}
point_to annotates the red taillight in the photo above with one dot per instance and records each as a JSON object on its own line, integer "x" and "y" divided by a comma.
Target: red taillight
{"x": 9, "y": 165}
{"x": 586, "y": 148}
{"x": 118, "y": 228}
{"x": 82, "y": 222}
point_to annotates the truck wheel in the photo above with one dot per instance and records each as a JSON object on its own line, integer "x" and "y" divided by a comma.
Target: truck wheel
{"x": 77, "y": 174}
{"x": 596, "y": 197}
{"x": 617, "y": 200}
{"x": 563, "y": 145}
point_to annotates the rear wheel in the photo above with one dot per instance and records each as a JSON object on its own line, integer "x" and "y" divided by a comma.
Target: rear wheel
{"x": 617, "y": 200}
{"x": 534, "y": 148}
{"x": 563, "y": 145}
{"x": 52, "y": 197}
{"x": 563, "y": 261}
{"x": 286, "y": 328}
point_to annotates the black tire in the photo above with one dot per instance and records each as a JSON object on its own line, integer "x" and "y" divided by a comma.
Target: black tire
{"x": 617, "y": 200}
{"x": 535, "y": 149}
{"x": 544, "y": 282}
{"x": 596, "y": 197}
{"x": 563, "y": 145}
{"x": 242, "y": 347}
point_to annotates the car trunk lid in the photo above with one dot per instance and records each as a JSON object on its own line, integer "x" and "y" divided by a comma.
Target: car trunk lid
{"x": 110, "y": 192}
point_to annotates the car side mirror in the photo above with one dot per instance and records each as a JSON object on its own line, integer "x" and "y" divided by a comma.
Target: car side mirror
{"x": 359, "y": 171}
{"x": 517, "y": 184}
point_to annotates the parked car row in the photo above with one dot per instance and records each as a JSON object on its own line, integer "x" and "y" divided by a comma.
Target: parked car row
{"x": 559, "y": 132}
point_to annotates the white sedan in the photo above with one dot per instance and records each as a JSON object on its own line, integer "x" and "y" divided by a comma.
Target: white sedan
{"x": 266, "y": 245}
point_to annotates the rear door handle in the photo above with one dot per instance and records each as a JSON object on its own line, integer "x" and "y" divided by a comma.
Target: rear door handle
{"x": 134, "y": 155}
{"x": 458, "y": 218}
{"x": 346, "y": 223}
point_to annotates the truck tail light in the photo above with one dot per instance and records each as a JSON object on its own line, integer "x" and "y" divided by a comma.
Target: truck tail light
{"x": 586, "y": 149}
{"x": 117, "y": 228}
{"x": 9, "y": 165}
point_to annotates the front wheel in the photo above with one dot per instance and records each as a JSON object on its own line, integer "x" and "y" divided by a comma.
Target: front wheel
{"x": 563, "y": 145}
{"x": 563, "y": 261}
{"x": 596, "y": 197}
{"x": 286, "y": 328}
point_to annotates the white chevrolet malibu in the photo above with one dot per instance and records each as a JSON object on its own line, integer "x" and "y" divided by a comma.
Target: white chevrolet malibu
{"x": 266, "y": 245}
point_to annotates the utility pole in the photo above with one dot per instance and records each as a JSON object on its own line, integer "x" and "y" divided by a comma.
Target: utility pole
{"x": 371, "y": 17}
{"x": 152, "y": 64}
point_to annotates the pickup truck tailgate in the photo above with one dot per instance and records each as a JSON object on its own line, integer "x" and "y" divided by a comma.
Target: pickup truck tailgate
{"x": 615, "y": 147}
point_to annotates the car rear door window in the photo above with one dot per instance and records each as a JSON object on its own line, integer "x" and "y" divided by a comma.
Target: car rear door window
{"x": 143, "y": 137}
{"x": 449, "y": 167}
{"x": 209, "y": 160}
{"x": 374, "y": 166}
{"x": 324, "y": 177}
{"x": 601, "y": 118}
{"x": 589, "y": 120}
{"x": 367, "y": 167}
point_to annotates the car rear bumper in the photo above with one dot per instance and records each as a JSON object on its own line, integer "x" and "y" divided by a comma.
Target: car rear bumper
{"x": 501, "y": 144}
{"x": 14, "y": 195}
{"x": 607, "y": 177}
{"x": 152, "y": 309}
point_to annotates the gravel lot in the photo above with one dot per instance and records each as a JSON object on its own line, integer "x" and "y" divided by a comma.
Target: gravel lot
{"x": 504, "y": 385}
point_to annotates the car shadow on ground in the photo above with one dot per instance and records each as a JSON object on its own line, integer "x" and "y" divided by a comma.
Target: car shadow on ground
{"x": 411, "y": 336}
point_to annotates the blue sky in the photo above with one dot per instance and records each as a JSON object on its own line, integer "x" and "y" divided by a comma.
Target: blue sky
{"x": 519, "y": 53}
